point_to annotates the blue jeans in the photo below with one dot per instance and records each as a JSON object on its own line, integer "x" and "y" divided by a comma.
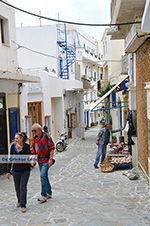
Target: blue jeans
{"x": 101, "y": 153}
{"x": 45, "y": 184}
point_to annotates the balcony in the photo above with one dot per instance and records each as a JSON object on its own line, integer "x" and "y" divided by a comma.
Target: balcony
{"x": 125, "y": 11}
{"x": 135, "y": 38}
{"x": 86, "y": 82}
{"x": 72, "y": 85}
{"x": 90, "y": 56}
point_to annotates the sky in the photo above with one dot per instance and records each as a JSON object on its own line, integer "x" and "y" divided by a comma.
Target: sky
{"x": 82, "y": 11}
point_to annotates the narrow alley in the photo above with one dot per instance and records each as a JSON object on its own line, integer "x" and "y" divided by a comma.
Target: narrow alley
{"x": 82, "y": 195}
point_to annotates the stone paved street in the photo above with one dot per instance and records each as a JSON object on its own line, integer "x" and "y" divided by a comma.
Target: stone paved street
{"x": 82, "y": 195}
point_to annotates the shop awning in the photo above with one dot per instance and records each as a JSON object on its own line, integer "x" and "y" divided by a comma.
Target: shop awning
{"x": 95, "y": 105}
{"x": 104, "y": 109}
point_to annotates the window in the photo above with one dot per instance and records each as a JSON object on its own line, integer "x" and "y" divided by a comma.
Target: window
{"x": 113, "y": 99}
{"x": 86, "y": 71}
{"x": 101, "y": 76}
{"x": 4, "y": 32}
{"x": 60, "y": 66}
{"x": 99, "y": 86}
{"x": 94, "y": 75}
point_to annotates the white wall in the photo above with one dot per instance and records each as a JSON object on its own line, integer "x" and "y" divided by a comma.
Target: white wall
{"x": 48, "y": 88}
{"x": 146, "y": 17}
{"x": 8, "y": 56}
{"x": 112, "y": 51}
{"x": 41, "y": 39}
{"x": 116, "y": 51}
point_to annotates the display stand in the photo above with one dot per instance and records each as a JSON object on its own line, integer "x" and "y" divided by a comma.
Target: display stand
{"x": 120, "y": 161}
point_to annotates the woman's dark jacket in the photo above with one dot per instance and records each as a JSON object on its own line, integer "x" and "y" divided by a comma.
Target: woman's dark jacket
{"x": 19, "y": 167}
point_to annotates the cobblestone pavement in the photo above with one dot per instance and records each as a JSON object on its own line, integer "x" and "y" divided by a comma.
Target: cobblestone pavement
{"x": 82, "y": 195}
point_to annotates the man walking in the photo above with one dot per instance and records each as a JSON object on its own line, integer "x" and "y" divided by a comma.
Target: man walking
{"x": 43, "y": 147}
{"x": 102, "y": 142}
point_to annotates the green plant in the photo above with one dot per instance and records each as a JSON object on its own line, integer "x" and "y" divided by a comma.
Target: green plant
{"x": 92, "y": 123}
{"x": 105, "y": 90}
{"x": 114, "y": 138}
{"x": 110, "y": 119}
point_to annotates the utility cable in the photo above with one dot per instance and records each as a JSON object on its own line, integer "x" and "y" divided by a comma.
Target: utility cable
{"x": 68, "y": 22}
{"x": 34, "y": 51}
{"x": 47, "y": 55}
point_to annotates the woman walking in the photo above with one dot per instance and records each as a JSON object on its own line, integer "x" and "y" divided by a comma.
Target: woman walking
{"x": 20, "y": 171}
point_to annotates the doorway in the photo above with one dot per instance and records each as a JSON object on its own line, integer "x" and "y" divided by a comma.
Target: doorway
{"x": 3, "y": 125}
{"x": 3, "y": 131}
{"x": 35, "y": 110}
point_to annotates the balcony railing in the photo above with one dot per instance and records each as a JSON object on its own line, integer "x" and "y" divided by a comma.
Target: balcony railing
{"x": 91, "y": 55}
{"x": 135, "y": 38}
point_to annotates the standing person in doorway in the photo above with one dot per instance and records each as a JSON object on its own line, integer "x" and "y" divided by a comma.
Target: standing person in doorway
{"x": 102, "y": 142}
{"x": 20, "y": 171}
{"x": 43, "y": 147}
{"x": 45, "y": 129}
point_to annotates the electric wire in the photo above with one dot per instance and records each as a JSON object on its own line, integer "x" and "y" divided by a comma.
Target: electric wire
{"x": 68, "y": 22}
{"x": 47, "y": 55}
{"x": 34, "y": 51}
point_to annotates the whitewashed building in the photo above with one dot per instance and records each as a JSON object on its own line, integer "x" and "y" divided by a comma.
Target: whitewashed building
{"x": 84, "y": 72}
{"x": 58, "y": 97}
{"x": 44, "y": 102}
{"x": 113, "y": 103}
{"x": 71, "y": 58}
{"x": 10, "y": 79}
{"x": 91, "y": 72}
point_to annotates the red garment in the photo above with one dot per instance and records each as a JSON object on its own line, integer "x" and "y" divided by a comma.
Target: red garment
{"x": 42, "y": 147}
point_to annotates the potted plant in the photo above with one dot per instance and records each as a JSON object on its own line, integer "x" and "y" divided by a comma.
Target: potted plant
{"x": 114, "y": 139}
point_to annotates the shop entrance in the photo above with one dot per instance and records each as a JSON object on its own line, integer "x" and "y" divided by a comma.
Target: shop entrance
{"x": 3, "y": 131}
{"x": 3, "y": 125}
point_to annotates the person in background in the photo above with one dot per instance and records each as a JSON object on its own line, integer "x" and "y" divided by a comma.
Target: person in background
{"x": 43, "y": 147}
{"x": 45, "y": 129}
{"x": 20, "y": 171}
{"x": 103, "y": 121}
{"x": 130, "y": 128}
{"x": 102, "y": 142}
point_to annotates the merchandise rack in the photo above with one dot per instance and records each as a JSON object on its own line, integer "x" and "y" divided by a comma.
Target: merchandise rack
{"x": 123, "y": 165}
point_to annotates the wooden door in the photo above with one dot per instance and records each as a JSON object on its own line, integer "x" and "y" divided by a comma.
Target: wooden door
{"x": 35, "y": 111}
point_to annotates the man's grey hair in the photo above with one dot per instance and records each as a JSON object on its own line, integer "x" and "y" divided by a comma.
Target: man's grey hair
{"x": 36, "y": 126}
